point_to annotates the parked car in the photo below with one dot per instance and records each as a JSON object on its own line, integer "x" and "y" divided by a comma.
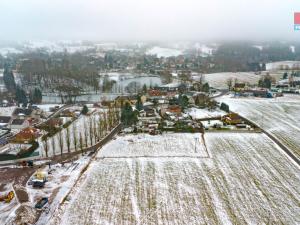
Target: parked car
{"x": 41, "y": 203}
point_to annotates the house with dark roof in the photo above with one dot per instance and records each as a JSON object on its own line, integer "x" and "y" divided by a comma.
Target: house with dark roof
{"x": 4, "y": 121}
{"x": 26, "y": 112}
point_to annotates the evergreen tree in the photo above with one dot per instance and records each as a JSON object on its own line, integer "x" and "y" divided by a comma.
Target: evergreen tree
{"x": 36, "y": 96}
{"x": 139, "y": 104}
{"x": 9, "y": 80}
{"x": 205, "y": 87}
{"x": 183, "y": 101}
{"x": 265, "y": 82}
{"x": 144, "y": 89}
{"x": 84, "y": 110}
{"x": 128, "y": 116}
{"x": 21, "y": 96}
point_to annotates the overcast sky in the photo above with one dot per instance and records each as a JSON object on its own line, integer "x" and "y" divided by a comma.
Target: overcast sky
{"x": 138, "y": 20}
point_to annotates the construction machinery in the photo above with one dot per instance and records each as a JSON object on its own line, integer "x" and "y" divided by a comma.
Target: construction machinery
{"x": 7, "y": 197}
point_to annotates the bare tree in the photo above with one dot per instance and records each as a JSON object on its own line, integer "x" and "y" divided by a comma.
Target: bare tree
{"x": 91, "y": 130}
{"x": 61, "y": 142}
{"x": 96, "y": 138}
{"x": 85, "y": 134}
{"x": 100, "y": 130}
{"x": 53, "y": 145}
{"x": 68, "y": 139}
{"x": 229, "y": 83}
{"x": 81, "y": 143}
{"x": 75, "y": 140}
{"x": 46, "y": 146}
{"x": 104, "y": 123}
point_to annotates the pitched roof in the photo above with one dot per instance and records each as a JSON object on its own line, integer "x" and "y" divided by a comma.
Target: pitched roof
{"x": 24, "y": 111}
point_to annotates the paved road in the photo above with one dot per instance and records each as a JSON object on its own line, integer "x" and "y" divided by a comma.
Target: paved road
{"x": 223, "y": 92}
{"x": 55, "y": 114}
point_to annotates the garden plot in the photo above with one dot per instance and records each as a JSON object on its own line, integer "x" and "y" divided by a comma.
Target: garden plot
{"x": 248, "y": 180}
{"x": 165, "y": 145}
{"x": 279, "y": 116}
{"x": 81, "y": 126}
{"x": 196, "y": 113}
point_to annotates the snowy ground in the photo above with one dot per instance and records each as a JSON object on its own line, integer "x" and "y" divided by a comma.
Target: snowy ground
{"x": 7, "y": 210}
{"x": 60, "y": 182}
{"x": 12, "y": 148}
{"x": 7, "y": 111}
{"x": 247, "y": 180}
{"x": 280, "y": 116}
{"x": 163, "y": 52}
{"x": 196, "y": 113}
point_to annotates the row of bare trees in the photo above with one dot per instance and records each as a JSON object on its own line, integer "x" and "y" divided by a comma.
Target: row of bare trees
{"x": 95, "y": 127}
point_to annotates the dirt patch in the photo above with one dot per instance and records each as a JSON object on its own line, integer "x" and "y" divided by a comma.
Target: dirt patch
{"x": 53, "y": 194}
{"x": 25, "y": 215}
{"x": 22, "y": 195}
{"x": 18, "y": 177}
{"x": 64, "y": 178}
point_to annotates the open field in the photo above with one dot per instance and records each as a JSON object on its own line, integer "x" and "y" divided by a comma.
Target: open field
{"x": 247, "y": 180}
{"x": 165, "y": 145}
{"x": 279, "y": 116}
{"x": 219, "y": 80}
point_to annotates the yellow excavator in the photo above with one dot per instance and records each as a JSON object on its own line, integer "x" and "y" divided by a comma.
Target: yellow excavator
{"x": 8, "y": 197}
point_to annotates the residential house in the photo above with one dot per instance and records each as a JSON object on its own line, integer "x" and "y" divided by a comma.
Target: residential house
{"x": 176, "y": 109}
{"x": 150, "y": 112}
{"x": 238, "y": 87}
{"x": 26, "y": 135}
{"x": 122, "y": 100}
{"x": 232, "y": 119}
{"x": 23, "y": 113}
{"x": 156, "y": 93}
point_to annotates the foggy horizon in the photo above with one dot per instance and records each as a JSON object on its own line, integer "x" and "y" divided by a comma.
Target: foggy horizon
{"x": 134, "y": 20}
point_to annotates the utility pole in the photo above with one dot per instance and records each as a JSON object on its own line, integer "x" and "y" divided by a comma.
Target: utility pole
{"x": 196, "y": 144}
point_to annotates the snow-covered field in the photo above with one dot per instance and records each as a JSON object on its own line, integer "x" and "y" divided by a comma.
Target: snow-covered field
{"x": 219, "y": 80}
{"x": 246, "y": 180}
{"x": 165, "y": 145}
{"x": 280, "y": 116}
{"x": 283, "y": 65}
